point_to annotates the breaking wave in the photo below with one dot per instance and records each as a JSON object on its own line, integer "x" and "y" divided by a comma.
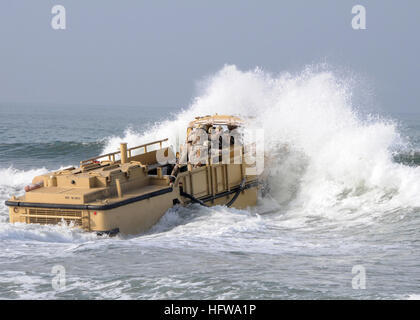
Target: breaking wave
{"x": 12, "y": 182}
{"x": 328, "y": 159}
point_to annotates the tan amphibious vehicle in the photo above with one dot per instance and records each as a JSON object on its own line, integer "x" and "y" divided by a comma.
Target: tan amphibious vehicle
{"x": 128, "y": 191}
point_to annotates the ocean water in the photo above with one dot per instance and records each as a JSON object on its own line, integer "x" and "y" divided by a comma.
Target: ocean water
{"x": 344, "y": 191}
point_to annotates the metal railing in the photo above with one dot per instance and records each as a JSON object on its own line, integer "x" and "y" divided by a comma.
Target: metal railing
{"x": 111, "y": 156}
{"x": 146, "y": 145}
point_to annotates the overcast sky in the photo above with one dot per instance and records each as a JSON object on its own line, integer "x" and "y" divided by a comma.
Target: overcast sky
{"x": 151, "y": 53}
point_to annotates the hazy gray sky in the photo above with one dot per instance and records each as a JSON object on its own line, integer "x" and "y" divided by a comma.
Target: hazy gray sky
{"x": 152, "y": 52}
